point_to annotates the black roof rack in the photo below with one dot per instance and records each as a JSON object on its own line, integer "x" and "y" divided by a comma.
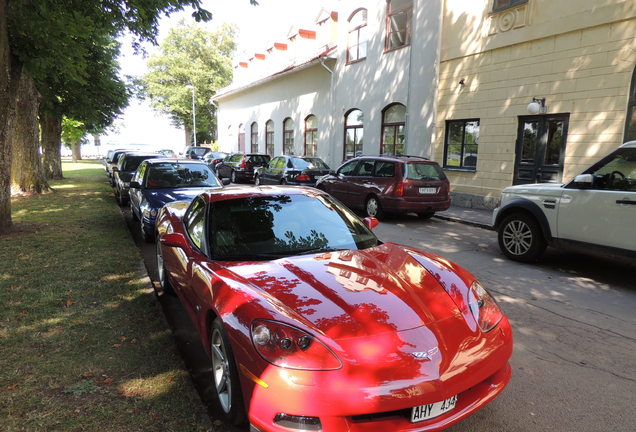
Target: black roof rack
{"x": 392, "y": 155}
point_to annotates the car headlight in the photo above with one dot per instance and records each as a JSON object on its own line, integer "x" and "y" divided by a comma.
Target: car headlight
{"x": 289, "y": 347}
{"x": 483, "y": 307}
{"x": 148, "y": 212}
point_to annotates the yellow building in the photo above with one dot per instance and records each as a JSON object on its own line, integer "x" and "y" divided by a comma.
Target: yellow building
{"x": 575, "y": 58}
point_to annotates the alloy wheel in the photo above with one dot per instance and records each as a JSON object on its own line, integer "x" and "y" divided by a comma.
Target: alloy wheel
{"x": 517, "y": 237}
{"x": 221, "y": 371}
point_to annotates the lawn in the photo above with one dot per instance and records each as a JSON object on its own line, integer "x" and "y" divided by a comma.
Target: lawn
{"x": 83, "y": 343}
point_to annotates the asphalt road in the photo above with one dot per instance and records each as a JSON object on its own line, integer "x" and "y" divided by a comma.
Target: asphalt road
{"x": 574, "y": 361}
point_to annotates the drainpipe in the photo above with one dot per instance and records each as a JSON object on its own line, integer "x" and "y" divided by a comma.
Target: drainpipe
{"x": 408, "y": 83}
{"x": 330, "y": 110}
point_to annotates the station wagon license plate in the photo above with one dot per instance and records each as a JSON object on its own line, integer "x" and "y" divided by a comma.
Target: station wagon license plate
{"x": 428, "y": 190}
{"x": 429, "y": 411}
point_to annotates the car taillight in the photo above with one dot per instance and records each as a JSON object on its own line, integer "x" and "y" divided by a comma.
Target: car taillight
{"x": 483, "y": 307}
{"x": 242, "y": 164}
{"x": 289, "y": 347}
{"x": 399, "y": 189}
{"x": 303, "y": 177}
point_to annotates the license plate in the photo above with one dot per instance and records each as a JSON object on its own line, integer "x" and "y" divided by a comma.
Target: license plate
{"x": 428, "y": 190}
{"x": 429, "y": 411}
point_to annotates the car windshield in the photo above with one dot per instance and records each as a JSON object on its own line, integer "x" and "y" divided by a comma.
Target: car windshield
{"x": 423, "y": 171}
{"x": 132, "y": 162}
{"x": 309, "y": 163}
{"x": 271, "y": 227}
{"x": 177, "y": 175}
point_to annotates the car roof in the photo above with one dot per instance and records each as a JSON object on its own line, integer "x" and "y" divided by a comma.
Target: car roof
{"x": 261, "y": 191}
{"x": 394, "y": 158}
{"x": 181, "y": 161}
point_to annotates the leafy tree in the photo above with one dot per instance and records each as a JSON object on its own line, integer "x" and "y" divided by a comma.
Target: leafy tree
{"x": 190, "y": 56}
{"x": 74, "y": 135}
{"x": 52, "y": 37}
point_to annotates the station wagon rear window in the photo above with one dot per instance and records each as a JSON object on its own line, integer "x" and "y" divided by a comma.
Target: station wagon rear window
{"x": 423, "y": 171}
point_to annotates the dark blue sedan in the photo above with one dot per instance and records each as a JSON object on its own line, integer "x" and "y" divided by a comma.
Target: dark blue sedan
{"x": 159, "y": 181}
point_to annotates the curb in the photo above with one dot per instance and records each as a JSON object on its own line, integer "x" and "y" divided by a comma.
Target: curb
{"x": 464, "y": 221}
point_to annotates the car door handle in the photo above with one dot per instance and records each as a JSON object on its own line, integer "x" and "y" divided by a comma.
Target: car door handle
{"x": 628, "y": 202}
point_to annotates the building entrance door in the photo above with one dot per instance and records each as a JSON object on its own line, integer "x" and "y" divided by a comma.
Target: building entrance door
{"x": 540, "y": 148}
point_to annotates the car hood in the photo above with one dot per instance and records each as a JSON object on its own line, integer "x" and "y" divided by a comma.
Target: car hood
{"x": 157, "y": 198}
{"x": 356, "y": 293}
{"x": 535, "y": 188}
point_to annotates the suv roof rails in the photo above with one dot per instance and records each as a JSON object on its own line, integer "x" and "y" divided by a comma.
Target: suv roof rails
{"x": 392, "y": 155}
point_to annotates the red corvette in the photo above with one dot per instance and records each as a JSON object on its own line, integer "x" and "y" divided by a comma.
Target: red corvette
{"x": 312, "y": 323}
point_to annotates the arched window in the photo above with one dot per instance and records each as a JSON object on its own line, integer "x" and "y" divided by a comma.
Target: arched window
{"x": 241, "y": 138}
{"x": 288, "y": 136}
{"x": 269, "y": 138}
{"x": 398, "y": 23}
{"x": 630, "y": 123}
{"x": 358, "y": 36}
{"x": 353, "y": 134}
{"x": 254, "y": 138}
{"x": 393, "y": 121}
{"x": 311, "y": 135}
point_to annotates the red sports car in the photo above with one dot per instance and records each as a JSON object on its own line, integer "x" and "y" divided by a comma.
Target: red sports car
{"x": 312, "y": 323}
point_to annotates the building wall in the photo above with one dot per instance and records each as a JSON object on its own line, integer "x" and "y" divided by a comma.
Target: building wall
{"x": 580, "y": 59}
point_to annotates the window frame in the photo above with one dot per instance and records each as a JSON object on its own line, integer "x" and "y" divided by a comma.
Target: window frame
{"x": 313, "y": 132}
{"x": 501, "y": 5}
{"x": 394, "y": 125}
{"x": 269, "y": 137}
{"x": 288, "y": 133}
{"x": 187, "y": 223}
{"x": 254, "y": 137}
{"x": 461, "y": 166}
{"x": 357, "y": 30}
{"x": 408, "y": 9}
{"x": 631, "y": 110}
{"x": 355, "y": 128}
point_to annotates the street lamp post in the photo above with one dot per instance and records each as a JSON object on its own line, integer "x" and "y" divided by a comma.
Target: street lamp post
{"x": 194, "y": 116}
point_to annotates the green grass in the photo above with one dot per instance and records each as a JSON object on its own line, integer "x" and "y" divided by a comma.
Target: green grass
{"x": 83, "y": 345}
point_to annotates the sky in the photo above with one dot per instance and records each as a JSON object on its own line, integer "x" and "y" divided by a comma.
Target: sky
{"x": 271, "y": 20}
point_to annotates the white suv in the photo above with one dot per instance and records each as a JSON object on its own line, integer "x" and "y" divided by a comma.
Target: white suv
{"x": 595, "y": 210}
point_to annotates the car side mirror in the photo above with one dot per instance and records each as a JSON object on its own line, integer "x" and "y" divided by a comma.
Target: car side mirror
{"x": 175, "y": 240}
{"x": 115, "y": 169}
{"x": 370, "y": 222}
{"x": 225, "y": 181}
{"x": 135, "y": 185}
{"x": 584, "y": 180}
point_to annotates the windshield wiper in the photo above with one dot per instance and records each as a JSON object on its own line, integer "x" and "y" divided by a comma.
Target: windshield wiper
{"x": 319, "y": 250}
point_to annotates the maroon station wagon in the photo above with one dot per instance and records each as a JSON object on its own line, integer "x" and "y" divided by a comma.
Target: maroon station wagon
{"x": 390, "y": 184}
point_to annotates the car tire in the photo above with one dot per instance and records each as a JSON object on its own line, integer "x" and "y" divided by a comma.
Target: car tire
{"x": 283, "y": 182}
{"x": 233, "y": 177}
{"x": 257, "y": 180}
{"x": 426, "y": 215}
{"x": 520, "y": 238}
{"x": 227, "y": 388}
{"x": 162, "y": 276}
{"x": 372, "y": 207}
{"x": 145, "y": 235}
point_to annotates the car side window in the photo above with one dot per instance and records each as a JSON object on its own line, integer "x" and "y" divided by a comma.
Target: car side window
{"x": 366, "y": 168}
{"x": 348, "y": 168}
{"x": 139, "y": 174}
{"x": 273, "y": 162}
{"x": 618, "y": 173}
{"x": 236, "y": 158}
{"x": 195, "y": 222}
{"x": 384, "y": 169}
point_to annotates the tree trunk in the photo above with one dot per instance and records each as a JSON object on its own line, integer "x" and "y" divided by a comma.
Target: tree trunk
{"x": 10, "y": 69}
{"x": 51, "y": 127}
{"x": 76, "y": 148}
{"x": 27, "y": 175}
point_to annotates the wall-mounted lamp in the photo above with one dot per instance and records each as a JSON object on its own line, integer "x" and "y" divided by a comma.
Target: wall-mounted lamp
{"x": 462, "y": 81}
{"x": 537, "y": 106}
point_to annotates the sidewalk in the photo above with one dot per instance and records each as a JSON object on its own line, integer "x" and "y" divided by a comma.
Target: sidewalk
{"x": 477, "y": 217}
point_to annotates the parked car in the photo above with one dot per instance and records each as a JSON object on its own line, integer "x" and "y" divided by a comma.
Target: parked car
{"x": 239, "y": 167}
{"x": 593, "y": 212}
{"x": 159, "y": 181}
{"x": 312, "y": 323}
{"x": 196, "y": 152}
{"x": 112, "y": 162}
{"x": 213, "y": 158}
{"x": 297, "y": 170}
{"x": 169, "y": 153}
{"x": 390, "y": 184}
{"x": 125, "y": 169}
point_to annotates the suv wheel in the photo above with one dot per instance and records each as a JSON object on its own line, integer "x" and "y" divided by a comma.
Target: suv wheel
{"x": 257, "y": 180}
{"x": 373, "y": 208}
{"x": 520, "y": 238}
{"x": 233, "y": 178}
